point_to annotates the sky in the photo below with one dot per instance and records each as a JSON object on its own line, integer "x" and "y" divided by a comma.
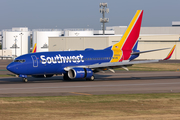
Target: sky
{"x": 62, "y": 14}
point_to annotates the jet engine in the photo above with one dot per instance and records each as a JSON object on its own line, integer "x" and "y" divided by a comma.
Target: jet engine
{"x": 80, "y": 73}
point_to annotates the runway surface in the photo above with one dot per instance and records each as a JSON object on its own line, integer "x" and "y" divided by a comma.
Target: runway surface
{"x": 105, "y": 83}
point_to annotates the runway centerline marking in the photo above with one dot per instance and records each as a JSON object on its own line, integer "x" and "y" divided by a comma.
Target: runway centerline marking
{"x": 89, "y": 86}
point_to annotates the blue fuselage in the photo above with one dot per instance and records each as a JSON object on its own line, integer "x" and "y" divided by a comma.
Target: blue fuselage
{"x": 55, "y": 62}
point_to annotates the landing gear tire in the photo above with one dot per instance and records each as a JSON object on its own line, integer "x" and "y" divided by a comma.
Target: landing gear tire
{"x": 66, "y": 77}
{"x": 25, "y": 80}
{"x": 91, "y": 78}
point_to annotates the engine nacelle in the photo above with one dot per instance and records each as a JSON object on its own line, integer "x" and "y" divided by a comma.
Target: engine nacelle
{"x": 80, "y": 73}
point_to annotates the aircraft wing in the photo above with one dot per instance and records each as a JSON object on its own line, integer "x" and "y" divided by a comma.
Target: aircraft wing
{"x": 134, "y": 53}
{"x": 111, "y": 65}
{"x": 120, "y": 64}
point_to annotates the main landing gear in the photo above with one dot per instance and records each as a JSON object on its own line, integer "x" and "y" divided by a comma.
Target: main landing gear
{"x": 91, "y": 78}
{"x": 25, "y": 80}
{"x": 66, "y": 77}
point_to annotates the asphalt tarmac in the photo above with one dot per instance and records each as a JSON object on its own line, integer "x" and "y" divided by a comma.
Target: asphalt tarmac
{"x": 105, "y": 83}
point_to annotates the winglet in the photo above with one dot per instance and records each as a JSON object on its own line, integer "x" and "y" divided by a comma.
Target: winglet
{"x": 170, "y": 53}
{"x": 34, "y": 49}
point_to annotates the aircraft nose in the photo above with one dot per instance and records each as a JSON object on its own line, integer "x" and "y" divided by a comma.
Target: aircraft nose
{"x": 11, "y": 68}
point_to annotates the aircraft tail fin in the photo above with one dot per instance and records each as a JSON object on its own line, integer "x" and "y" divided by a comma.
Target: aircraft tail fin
{"x": 130, "y": 37}
{"x": 34, "y": 49}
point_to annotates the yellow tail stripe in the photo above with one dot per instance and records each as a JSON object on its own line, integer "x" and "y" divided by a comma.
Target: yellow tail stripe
{"x": 123, "y": 39}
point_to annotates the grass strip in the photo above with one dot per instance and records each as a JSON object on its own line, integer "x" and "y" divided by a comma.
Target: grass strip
{"x": 7, "y": 75}
{"x": 123, "y": 106}
{"x": 3, "y": 70}
{"x": 154, "y": 67}
{"x": 96, "y": 98}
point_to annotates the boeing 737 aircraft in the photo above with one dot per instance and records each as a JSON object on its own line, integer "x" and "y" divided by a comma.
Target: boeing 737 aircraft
{"x": 83, "y": 64}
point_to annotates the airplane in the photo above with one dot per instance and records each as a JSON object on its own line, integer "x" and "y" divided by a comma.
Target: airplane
{"x": 83, "y": 64}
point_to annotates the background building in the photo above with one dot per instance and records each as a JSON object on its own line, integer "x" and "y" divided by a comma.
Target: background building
{"x": 6, "y": 54}
{"x": 17, "y": 40}
{"x": 146, "y": 42}
{"x": 81, "y": 43}
{"x": 78, "y": 32}
{"x": 0, "y": 38}
{"x": 40, "y": 36}
{"x": 106, "y": 32}
{"x": 119, "y": 30}
{"x": 175, "y": 23}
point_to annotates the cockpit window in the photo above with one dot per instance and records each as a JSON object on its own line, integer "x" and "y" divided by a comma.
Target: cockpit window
{"x": 21, "y": 61}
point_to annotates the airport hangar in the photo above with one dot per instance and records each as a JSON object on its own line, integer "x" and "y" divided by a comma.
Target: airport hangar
{"x": 150, "y": 38}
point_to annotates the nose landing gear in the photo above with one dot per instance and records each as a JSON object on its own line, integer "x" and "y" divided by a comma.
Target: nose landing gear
{"x": 24, "y": 77}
